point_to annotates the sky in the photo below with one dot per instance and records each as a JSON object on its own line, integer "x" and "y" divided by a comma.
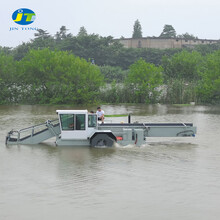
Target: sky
{"x": 116, "y": 17}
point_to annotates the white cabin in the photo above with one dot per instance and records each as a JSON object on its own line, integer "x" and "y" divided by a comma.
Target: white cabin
{"x": 76, "y": 124}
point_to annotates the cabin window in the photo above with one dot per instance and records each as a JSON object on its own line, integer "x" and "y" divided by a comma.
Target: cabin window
{"x": 92, "y": 121}
{"x": 67, "y": 121}
{"x": 80, "y": 122}
{"x": 71, "y": 122}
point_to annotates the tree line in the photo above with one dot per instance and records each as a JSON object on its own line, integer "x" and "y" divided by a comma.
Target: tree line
{"x": 59, "y": 77}
{"x": 65, "y": 69}
{"x": 48, "y": 77}
{"x": 103, "y": 50}
{"x": 183, "y": 78}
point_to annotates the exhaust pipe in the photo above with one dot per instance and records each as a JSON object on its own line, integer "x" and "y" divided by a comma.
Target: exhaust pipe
{"x": 129, "y": 118}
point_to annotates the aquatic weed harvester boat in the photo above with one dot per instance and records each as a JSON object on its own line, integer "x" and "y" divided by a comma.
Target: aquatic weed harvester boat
{"x": 80, "y": 128}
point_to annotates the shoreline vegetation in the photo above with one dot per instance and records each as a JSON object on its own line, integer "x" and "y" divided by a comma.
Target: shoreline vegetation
{"x": 89, "y": 69}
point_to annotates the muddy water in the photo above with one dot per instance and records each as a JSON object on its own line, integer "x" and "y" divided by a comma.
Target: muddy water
{"x": 168, "y": 178}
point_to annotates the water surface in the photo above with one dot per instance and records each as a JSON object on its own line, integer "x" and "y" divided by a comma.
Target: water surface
{"x": 167, "y": 178}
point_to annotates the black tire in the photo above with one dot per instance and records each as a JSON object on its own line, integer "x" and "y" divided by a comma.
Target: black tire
{"x": 101, "y": 140}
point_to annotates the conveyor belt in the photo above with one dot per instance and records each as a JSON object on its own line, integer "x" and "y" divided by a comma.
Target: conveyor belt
{"x": 147, "y": 124}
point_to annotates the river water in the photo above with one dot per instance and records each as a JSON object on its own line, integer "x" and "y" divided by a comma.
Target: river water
{"x": 168, "y": 178}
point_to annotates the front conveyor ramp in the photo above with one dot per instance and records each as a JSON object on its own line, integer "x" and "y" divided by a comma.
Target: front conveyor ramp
{"x": 35, "y": 134}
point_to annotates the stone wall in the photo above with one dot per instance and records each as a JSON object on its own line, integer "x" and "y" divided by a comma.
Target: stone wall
{"x": 160, "y": 43}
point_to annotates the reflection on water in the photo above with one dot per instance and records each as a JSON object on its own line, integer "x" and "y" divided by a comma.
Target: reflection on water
{"x": 167, "y": 178}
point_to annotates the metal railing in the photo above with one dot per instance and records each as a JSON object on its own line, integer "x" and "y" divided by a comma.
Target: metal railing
{"x": 18, "y": 135}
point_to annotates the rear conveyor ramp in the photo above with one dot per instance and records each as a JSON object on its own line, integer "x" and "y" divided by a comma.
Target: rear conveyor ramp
{"x": 34, "y": 134}
{"x": 137, "y": 133}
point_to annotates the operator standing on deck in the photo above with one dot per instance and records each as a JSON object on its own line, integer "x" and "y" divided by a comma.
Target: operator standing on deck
{"x": 100, "y": 113}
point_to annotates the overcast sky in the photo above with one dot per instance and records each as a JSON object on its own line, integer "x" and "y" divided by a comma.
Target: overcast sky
{"x": 116, "y": 17}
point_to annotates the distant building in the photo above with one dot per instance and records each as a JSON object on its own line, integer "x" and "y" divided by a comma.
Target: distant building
{"x": 162, "y": 43}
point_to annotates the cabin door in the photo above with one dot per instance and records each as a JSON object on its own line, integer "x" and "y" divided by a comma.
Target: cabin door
{"x": 73, "y": 126}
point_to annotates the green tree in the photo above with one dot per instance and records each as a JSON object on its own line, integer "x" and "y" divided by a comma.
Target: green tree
{"x": 113, "y": 73}
{"x": 182, "y": 65}
{"x": 187, "y": 36}
{"x": 59, "y": 77}
{"x": 207, "y": 49}
{"x": 61, "y": 34}
{"x": 82, "y": 32}
{"x": 6, "y": 50}
{"x": 168, "y": 32}
{"x": 145, "y": 78}
{"x": 8, "y": 79}
{"x": 21, "y": 50}
{"x": 104, "y": 50}
{"x": 208, "y": 89}
{"x": 178, "y": 91}
{"x": 42, "y": 34}
{"x": 137, "y": 30}
{"x": 42, "y": 40}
